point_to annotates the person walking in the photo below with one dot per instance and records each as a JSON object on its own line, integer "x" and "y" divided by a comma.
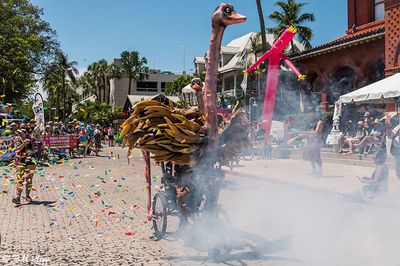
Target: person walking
{"x": 111, "y": 133}
{"x": 25, "y": 166}
{"x": 97, "y": 139}
{"x": 83, "y": 142}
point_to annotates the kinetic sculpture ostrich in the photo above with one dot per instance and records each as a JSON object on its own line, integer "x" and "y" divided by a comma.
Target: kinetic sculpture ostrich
{"x": 223, "y": 16}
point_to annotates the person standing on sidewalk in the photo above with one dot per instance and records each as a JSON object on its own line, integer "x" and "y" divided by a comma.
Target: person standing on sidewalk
{"x": 313, "y": 149}
{"x": 111, "y": 133}
{"x": 394, "y": 134}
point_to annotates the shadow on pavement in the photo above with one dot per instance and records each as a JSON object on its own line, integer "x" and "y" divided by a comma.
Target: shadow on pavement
{"x": 38, "y": 203}
{"x": 332, "y": 176}
{"x": 225, "y": 244}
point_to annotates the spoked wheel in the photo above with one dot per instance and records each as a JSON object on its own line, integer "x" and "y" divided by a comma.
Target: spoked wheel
{"x": 367, "y": 193}
{"x": 160, "y": 213}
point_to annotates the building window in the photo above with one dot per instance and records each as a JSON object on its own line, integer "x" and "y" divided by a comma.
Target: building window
{"x": 163, "y": 85}
{"x": 146, "y": 86}
{"x": 379, "y": 9}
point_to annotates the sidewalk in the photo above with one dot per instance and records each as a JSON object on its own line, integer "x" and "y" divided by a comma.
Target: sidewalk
{"x": 337, "y": 178}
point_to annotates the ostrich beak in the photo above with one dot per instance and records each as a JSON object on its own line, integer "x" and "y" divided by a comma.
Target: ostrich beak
{"x": 235, "y": 18}
{"x": 196, "y": 86}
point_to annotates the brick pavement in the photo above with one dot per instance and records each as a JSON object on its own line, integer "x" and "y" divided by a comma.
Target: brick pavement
{"x": 70, "y": 197}
{"x": 84, "y": 213}
{"x": 340, "y": 178}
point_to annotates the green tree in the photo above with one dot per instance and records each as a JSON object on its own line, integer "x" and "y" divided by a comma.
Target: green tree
{"x": 59, "y": 75}
{"x": 52, "y": 84}
{"x": 89, "y": 83}
{"x": 176, "y": 86}
{"x": 262, "y": 26}
{"x": 27, "y": 44}
{"x": 98, "y": 113}
{"x": 134, "y": 66}
{"x": 100, "y": 71}
{"x": 71, "y": 96}
{"x": 290, "y": 14}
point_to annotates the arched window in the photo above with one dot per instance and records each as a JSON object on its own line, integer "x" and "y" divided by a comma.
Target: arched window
{"x": 377, "y": 71}
{"x": 341, "y": 82}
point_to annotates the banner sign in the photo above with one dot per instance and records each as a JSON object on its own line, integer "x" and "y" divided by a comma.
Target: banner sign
{"x": 38, "y": 111}
{"x": 61, "y": 142}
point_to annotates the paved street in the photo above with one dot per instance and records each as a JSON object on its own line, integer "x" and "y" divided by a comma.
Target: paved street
{"x": 92, "y": 211}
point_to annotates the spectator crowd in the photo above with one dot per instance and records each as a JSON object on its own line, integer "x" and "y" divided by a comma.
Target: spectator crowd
{"x": 363, "y": 137}
{"x": 88, "y": 139}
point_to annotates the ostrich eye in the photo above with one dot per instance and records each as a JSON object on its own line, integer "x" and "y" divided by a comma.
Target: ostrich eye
{"x": 228, "y": 10}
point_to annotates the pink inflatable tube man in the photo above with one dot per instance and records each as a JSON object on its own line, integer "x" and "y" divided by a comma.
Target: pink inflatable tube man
{"x": 275, "y": 56}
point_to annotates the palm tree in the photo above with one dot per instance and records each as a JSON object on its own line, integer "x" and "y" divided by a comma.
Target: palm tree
{"x": 102, "y": 72}
{"x": 134, "y": 66}
{"x": 98, "y": 71}
{"x": 66, "y": 69}
{"x": 255, "y": 49}
{"x": 291, "y": 15}
{"x": 55, "y": 79}
{"x": 262, "y": 26}
{"x": 90, "y": 84}
{"x": 52, "y": 84}
{"x": 71, "y": 96}
{"x": 113, "y": 72}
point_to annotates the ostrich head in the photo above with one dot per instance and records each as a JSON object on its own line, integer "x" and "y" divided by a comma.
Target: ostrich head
{"x": 225, "y": 15}
{"x": 196, "y": 84}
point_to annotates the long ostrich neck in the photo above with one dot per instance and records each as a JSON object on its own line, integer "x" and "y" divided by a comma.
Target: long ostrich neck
{"x": 210, "y": 89}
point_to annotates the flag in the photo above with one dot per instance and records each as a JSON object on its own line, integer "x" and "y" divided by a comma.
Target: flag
{"x": 301, "y": 104}
{"x": 38, "y": 111}
{"x": 244, "y": 82}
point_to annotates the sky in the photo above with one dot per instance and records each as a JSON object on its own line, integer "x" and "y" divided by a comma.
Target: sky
{"x": 169, "y": 33}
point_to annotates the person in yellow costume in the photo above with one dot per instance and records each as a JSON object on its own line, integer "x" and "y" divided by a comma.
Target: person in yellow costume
{"x": 25, "y": 165}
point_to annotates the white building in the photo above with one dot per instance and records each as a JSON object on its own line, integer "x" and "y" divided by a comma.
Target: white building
{"x": 233, "y": 60}
{"x": 117, "y": 94}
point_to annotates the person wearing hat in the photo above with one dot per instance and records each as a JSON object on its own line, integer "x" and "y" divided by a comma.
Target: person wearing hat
{"x": 374, "y": 136}
{"x": 13, "y": 129}
{"x": 367, "y": 117}
{"x": 47, "y": 130}
{"x": 348, "y": 133}
{"x": 359, "y": 135}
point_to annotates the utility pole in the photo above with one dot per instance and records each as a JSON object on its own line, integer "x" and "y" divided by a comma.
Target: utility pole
{"x": 184, "y": 60}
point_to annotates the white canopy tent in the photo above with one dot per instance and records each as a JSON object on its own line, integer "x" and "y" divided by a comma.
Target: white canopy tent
{"x": 383, "y": 91}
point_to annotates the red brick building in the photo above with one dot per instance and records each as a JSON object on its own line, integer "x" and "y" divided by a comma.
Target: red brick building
{"x": 369, "y": 51}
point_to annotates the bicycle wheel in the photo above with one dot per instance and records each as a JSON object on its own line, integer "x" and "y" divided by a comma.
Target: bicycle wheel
{"x": 160, "y": 214}
{"x": 367, "y": 193}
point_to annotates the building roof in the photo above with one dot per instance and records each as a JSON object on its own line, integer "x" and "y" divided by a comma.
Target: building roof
{"x": 200, "y": 60}
{"x": 229, "y": 49}
{"x": 388, "y": 88}
{"x": 133, "y": 99}
{"x": 356, "y": 37}
{"x": 242, "y": 43}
